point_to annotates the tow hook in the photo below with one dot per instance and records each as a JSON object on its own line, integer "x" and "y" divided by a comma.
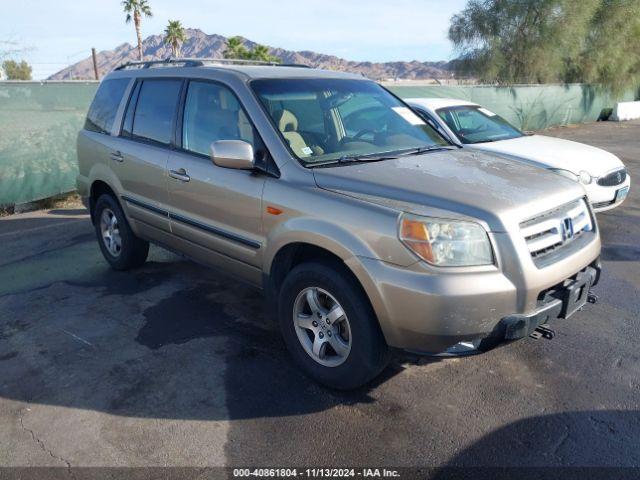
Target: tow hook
{"x": 592, "y": 297}
{"x": 543, "y": 331}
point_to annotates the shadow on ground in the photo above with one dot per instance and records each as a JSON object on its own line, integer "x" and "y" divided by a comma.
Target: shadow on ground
{"x": 572, "y": 445}
{"x": 170, "y": 340}
{"x": 176, "y": 341}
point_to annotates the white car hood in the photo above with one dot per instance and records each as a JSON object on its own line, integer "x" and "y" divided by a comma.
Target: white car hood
{"x": 555, "y": 153}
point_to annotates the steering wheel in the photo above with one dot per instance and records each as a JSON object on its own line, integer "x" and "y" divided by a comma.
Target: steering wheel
{"x": 472, "y": 131}
{"x": 362, "y": 132}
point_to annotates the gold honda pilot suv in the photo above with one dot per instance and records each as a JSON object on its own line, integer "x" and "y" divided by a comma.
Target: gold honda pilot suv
{"x": 365, "y": 229}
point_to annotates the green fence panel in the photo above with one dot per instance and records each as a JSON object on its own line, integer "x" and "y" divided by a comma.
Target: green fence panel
{"x": 39, "y": 123}
{"x": 530, "y": 107}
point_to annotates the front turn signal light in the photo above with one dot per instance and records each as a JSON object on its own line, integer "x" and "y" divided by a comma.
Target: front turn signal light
{"x": 446, "y": 243}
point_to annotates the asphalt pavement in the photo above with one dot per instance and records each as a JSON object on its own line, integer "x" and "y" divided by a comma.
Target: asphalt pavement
{"x": 177, "y": 365}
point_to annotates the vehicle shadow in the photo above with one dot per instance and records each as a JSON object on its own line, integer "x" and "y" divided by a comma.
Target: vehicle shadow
{"x": 584, "y": 444}
{"x": 172, "y": 339}
{"x": 175, "y": 340}
{"x": 15, "y": 224}
{"x": 68, "y": 212}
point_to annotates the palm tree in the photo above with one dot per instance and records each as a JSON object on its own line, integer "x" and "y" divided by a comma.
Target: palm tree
{"x": 235, "y": 49}
{"x": 136, "y": 9}
{"x": 261, "y": 53}
{"x": 174, "y": 35}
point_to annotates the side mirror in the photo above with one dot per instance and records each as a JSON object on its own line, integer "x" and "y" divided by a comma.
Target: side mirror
{"x": 233, "y": 154}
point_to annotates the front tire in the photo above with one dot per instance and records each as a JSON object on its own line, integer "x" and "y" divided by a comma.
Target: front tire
{"x": 329, "y": 326}
{"x": 119, "y": 245}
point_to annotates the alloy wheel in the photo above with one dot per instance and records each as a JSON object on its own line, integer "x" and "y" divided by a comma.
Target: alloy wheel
{"x": 322, "y": 326}
{"x": 110, "y": 231}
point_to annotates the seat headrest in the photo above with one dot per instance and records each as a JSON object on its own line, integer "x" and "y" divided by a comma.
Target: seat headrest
{"x": 287, "y": 121}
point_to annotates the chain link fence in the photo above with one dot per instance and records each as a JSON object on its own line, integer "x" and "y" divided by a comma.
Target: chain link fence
{"x": 529, "y": 107}
{"x": 39, "y": 122}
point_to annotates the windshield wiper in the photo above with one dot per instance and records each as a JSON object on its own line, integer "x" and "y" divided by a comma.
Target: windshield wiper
{"x": 371, "y": 157}
{"x": 377, "y": 157}
{"x": 348, "y": 159}
{"x": 430, "y": 148}
{"x": 488, "y": 140}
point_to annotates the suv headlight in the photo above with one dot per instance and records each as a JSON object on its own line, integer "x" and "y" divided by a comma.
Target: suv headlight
{"x": 446, "y": 243}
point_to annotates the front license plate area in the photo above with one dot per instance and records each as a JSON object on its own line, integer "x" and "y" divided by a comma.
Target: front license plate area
{"x": 574, "y": 296}
{"x": 622, "y": 194}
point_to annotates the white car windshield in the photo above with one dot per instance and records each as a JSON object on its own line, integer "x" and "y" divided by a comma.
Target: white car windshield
{"x": 328, "y": 120}
{"x": 474, "y": 124}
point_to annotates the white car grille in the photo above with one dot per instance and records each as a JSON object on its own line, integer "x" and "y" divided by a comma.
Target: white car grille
{"x": 557, "y": 228}
{"x": 614, "y": 178}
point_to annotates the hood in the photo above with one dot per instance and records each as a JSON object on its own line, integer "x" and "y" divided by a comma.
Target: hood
{"x": 454, "y": 183}
{"x": 555, "y": 153}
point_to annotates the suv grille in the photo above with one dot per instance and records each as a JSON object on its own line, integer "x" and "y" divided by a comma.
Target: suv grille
{"x": 557, "y": 228}
{"x": 613, "y": 178}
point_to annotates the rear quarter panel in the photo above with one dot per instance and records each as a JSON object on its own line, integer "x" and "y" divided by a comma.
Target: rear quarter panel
{"x": 93, "y": 157}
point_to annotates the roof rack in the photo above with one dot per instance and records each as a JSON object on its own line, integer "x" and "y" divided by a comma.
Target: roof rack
{"x": 200, "y": 62}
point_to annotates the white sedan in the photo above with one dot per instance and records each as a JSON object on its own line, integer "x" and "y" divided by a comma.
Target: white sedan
{"x": 469, "y": 125}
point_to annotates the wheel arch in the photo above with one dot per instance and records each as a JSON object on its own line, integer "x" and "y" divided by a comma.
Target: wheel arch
{"x": 103, "y": 180}
{"x": 306, "y": 238}
{"x": 297, "y": 252}
{"x": 98, "y": 188}
{"x": 293, "y": 254}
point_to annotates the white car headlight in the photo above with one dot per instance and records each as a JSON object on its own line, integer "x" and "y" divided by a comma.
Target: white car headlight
{"x": 446, "y": 243}
{"x": 585, "y": 177}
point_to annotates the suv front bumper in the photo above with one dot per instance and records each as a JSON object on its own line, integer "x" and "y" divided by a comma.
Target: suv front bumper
{"x": 559, "y": 302}
{"x": 434, "y": 314}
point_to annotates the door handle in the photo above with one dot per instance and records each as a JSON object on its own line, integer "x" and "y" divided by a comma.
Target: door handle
{"x": 117, "y": 156}
{"x": 180, "y": 174}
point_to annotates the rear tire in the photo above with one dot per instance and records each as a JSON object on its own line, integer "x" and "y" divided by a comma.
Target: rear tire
{"x": 119, "y": 245}
{"x": 329, "y": 326}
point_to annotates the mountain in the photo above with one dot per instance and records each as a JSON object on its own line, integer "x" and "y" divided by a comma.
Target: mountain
{"x": 199, "y": 44}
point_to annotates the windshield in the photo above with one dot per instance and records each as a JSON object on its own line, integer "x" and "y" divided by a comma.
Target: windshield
{"x": 473, "y": 124}
{"x": 324, "y": 120}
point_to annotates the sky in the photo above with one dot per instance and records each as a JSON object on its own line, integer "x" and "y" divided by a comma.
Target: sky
{"x": 54, "y": 34}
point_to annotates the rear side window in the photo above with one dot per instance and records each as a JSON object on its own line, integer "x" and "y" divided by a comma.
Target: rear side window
{"x": 105, "y": 104}
{"x": 155, "y": 110}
